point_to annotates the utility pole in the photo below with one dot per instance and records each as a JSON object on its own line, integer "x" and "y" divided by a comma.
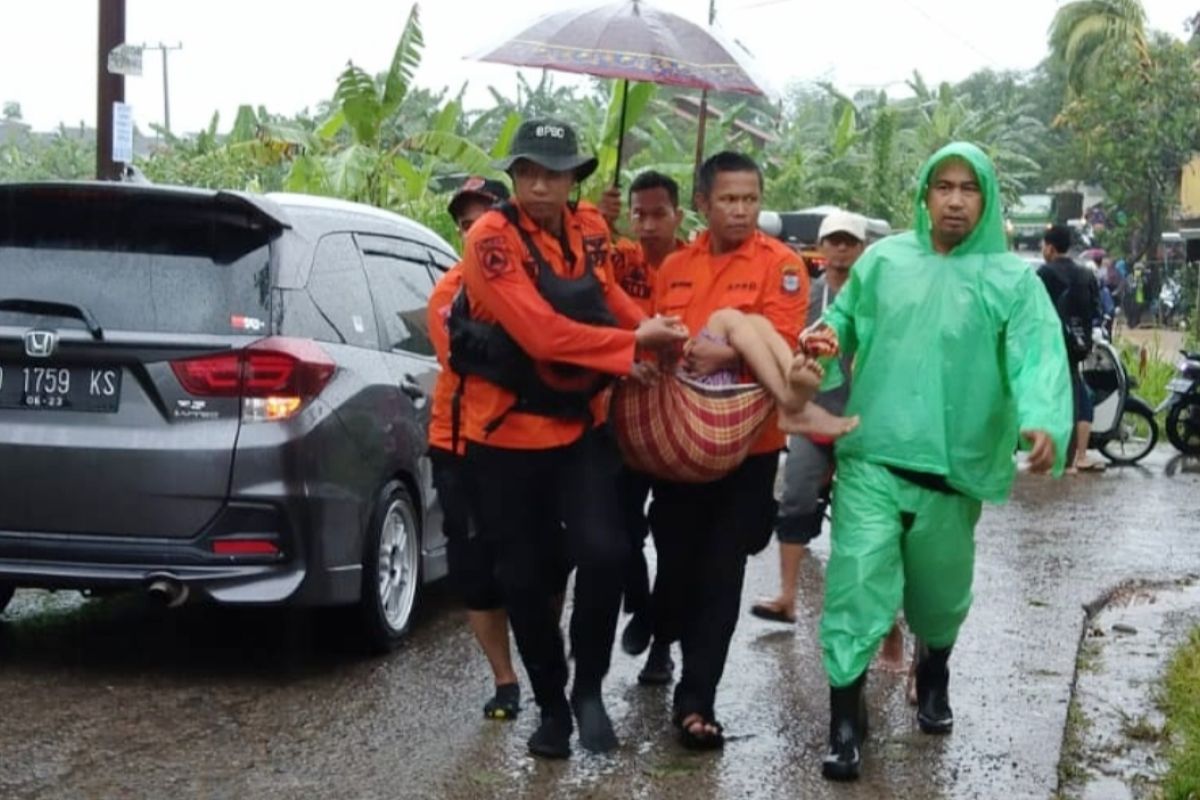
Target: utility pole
{"x": 110, "y": 88}
{"x": 165, "y": 49}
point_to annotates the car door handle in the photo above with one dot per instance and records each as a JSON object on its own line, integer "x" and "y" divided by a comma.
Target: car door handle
{"x": 414, "y": 391}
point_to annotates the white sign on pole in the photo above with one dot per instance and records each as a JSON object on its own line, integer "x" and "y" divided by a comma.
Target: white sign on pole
{"x": 122, "y": 133}
{"x": 125, "y": 59}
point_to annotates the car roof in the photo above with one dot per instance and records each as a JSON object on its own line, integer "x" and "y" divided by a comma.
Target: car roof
{"x": 263, "y": 210}
{"x": 328, "y": 214}
{"x": 303, "y": 219}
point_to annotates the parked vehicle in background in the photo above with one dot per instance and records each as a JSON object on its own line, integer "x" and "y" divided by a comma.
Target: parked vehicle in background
{"x": 798, "y": 230}
{"x": 1029, "y": 219}
{"x": 1182, "y": 405}
{"x": 1124, "y": 429}
{"x": 217, "y": 395}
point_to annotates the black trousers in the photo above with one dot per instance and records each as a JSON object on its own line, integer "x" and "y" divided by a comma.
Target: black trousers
{"x": 469, "y": 558}
{"x": 703, "y": 533}
{"x": 633, "y": 489}
{"x": 511, "y": 492}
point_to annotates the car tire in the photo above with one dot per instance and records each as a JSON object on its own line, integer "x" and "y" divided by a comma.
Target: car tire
{"x": 6, "y": 595}
{"x": 391, "y": 582}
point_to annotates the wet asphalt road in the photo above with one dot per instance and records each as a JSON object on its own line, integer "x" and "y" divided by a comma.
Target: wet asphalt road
{"x": 115, "y": 698}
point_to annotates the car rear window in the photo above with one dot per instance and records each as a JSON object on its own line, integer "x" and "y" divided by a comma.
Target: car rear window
{"x": 137, "y": 263}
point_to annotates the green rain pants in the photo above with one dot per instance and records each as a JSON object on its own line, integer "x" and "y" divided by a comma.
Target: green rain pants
{"x": 893, "y": 541}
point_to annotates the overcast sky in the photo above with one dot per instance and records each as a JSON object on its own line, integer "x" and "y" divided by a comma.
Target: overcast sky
{"x": 286, "y": 54}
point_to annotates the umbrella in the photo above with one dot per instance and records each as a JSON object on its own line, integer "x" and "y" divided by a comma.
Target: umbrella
{"x": 632, "y": 41}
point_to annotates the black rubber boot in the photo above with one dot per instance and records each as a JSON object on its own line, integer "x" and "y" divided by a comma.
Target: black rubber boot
{"x": 636, "y": 637}
{"x": 933, "y": 691}
{"x": 552, "y": 739}
{"x": 595, "y": 728}
{"x": 847, "y": 731}
{"x": 659, "y": 667}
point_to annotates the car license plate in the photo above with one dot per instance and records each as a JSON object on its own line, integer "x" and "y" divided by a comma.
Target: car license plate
{"x": 54, "y": 387}
{"x": 1180, "y": 385}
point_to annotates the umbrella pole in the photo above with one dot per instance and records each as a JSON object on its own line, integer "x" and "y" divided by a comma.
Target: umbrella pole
{"x": 621, "y": 132}
{"x": 712, "y": 17}
{"x": 699, "y": 144}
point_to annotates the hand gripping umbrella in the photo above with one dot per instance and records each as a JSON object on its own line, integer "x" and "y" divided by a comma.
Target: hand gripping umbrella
{"x": 631, "y": 41}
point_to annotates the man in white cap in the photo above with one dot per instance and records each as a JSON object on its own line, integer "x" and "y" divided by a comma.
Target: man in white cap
{"x": 810, "y": 463}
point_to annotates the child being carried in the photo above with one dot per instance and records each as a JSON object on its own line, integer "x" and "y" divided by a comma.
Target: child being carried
{"x": 792, "y": 379}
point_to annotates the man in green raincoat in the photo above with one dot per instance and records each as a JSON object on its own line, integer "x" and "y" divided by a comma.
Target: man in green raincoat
{"x": 958, "y": 358}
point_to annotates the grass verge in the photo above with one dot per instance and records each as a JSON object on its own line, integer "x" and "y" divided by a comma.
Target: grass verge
{"x": 1182, "y": 705}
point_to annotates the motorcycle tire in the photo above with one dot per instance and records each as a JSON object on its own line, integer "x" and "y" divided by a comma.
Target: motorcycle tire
{"x": 1183, "y": 425}
{"x": 1122, "y": 449}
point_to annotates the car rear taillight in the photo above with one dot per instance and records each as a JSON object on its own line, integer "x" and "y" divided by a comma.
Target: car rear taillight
{"x": 244, "y": 547}
{"x": 274, "y": 377}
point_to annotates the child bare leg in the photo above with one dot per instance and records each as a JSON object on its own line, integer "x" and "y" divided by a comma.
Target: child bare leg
{"x": 765, "y": 352}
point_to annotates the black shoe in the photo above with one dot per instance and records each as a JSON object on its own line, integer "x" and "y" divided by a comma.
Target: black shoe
{"x": 847, "y": 731}
{"x": 636, "y": 636}
{"x": 933, "y": 691}
{"x": 659, "y": 667}
{"x": 552, "y": 739}
{"x": 595, "y": 728}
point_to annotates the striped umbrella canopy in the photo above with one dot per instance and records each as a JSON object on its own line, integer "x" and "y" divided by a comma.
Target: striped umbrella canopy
{"x": 632, "y": 41}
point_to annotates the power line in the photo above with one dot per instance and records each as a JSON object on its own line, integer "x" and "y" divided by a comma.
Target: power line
{"x": 957, "y": 34}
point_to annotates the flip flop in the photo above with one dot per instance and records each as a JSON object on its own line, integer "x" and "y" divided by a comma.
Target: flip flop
{"x": 771, "y": 614}
{"x": 505, "y": 705}
{"x": 1092, "y": 466}
{"x": 703, "y": 740}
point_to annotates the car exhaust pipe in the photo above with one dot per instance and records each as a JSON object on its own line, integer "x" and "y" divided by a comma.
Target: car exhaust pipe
{"x": 167, "y": 591}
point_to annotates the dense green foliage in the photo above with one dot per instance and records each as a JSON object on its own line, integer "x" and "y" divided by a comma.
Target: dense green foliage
{"x": 1081, "y": 115}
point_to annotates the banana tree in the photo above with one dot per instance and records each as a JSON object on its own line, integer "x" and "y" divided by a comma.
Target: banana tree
{"x": 360, "y": 151}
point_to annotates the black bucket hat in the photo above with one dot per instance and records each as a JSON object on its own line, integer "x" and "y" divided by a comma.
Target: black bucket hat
{"x": 479, "y": 190}
{"x": 551, "y": 144}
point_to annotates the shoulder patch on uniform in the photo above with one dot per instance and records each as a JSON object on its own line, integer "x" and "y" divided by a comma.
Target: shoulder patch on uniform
{"x": 791, "y": 279}
{"x": 596, "y": 250}
{"x": 493, "y": 256}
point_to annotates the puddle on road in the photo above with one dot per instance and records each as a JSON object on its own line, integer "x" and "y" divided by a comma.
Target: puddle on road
{"x": 1115, "y": 730}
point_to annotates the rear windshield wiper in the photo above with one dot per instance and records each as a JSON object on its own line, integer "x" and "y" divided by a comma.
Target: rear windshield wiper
{"x": 51, "y": 308}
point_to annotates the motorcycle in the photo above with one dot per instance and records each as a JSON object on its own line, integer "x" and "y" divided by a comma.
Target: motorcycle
{"x": 1170, "y": 302}
{"x": 1123, "y": 427}
{"x": 1183, "y": 405}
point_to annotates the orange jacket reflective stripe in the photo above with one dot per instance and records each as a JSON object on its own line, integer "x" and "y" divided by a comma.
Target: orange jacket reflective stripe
{"x": 441, "y": 421}
{"x": 497, "y": 272}
{"x": 762, "y": 276}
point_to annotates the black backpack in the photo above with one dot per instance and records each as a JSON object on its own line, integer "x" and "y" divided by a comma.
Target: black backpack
{"x": 1072, "y": 303}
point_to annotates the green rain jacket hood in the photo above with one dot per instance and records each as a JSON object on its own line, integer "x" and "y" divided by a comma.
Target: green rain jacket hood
{"x": 954, "y": 354}
{"x": 988, "y": 235}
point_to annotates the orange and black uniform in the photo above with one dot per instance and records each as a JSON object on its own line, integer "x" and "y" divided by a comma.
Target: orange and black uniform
{"x": 638, "y": 277}
{"x": 522, "y": 466}
{"x": 635, "y": 274}
{"x": 704, "y": 532}
{"x": 469, "y": 559}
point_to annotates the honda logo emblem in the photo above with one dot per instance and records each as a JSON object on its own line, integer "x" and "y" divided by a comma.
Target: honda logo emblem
{"x": 40, "y": 344}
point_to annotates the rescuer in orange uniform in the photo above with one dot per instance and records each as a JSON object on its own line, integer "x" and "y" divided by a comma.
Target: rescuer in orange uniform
{"x": 655, "y": 218}
{"x": 470, "y": 559}
{"x": 540, "y": 331}
{"x": 704, "y": 532}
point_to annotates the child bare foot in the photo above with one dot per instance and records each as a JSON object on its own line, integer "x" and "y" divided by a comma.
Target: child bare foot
{"x": 804, "y": 377}
{"x": 812, "y": 420}
{"x": 891, "y": 654}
